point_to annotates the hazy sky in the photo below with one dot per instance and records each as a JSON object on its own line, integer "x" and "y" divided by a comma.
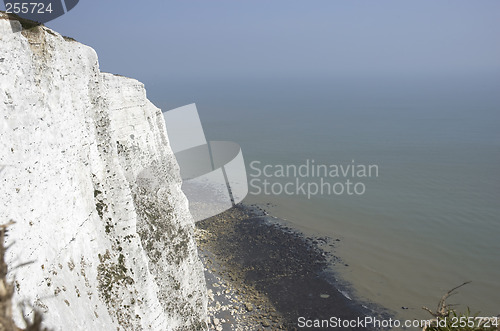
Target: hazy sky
{"x": 152, "y": 40}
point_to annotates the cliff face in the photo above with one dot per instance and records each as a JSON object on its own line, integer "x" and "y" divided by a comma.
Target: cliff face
{"x": 94, "y": 189}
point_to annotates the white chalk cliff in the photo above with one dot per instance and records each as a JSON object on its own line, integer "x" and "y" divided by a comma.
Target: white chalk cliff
{"x": 94, "y": 190}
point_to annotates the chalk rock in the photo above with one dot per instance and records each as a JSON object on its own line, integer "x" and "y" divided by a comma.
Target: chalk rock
{"x": 95, "y": 191}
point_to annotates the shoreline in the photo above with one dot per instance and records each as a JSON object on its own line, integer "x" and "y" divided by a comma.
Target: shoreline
{"x": 263, "y": 274}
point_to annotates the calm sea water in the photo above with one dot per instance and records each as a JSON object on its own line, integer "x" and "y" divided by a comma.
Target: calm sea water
{"x": 428, "y": 222}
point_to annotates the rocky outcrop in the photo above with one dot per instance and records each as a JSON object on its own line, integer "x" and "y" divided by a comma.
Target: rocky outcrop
{"x": 94, "y": 189}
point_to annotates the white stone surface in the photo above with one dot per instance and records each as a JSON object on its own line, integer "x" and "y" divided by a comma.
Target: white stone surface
{"x": 94, "y": 189}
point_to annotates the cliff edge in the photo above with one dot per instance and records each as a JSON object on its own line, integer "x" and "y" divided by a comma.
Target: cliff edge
{"x": 94, "y": 188}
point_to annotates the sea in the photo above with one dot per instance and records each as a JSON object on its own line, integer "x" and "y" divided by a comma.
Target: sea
{"x": 426, "y": 221}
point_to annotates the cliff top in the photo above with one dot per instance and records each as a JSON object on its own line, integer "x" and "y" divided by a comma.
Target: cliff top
{"x": 25, "y": 23}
